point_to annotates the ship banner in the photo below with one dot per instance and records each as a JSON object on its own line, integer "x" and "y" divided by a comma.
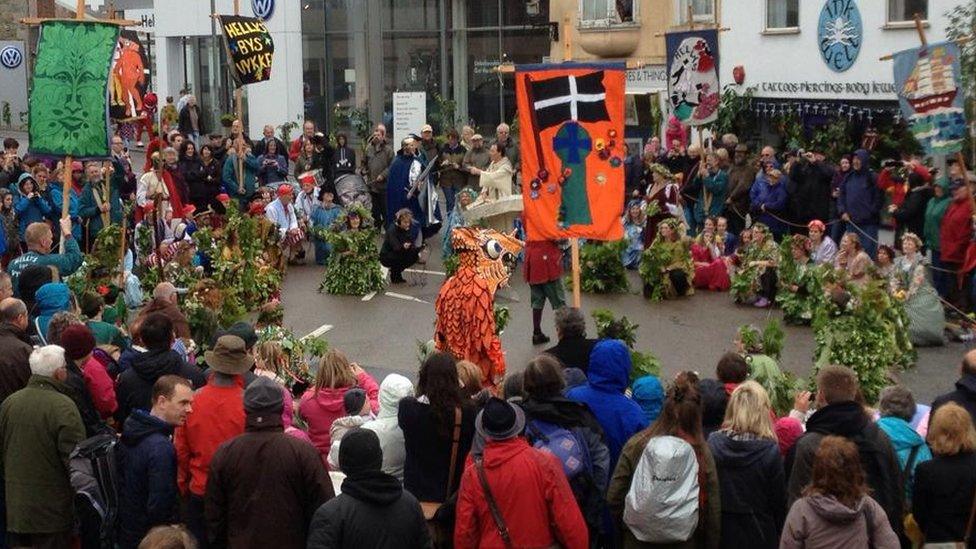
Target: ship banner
{"x": 927, "y": 80}
{"x": 571, "y": 126}
{"x": 250, "y": 48}
{"x": 68, "y": 106}
{"x": 693, "y": 89}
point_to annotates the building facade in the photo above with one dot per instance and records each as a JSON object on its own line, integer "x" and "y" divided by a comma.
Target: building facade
{"x": 821, "y": 59}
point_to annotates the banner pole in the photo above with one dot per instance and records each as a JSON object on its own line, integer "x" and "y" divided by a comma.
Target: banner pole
{"x": 573, "y": 242}
{"x": 239, "y": 113}
{"x": 65, "y": 194}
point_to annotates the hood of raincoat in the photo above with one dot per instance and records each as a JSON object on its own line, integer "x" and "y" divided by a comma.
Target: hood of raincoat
{"x": 51, "y": 298}
{"x": 392, "y": 390}
{"x": 834, "y": 511}
{"x": 609, "y": 366}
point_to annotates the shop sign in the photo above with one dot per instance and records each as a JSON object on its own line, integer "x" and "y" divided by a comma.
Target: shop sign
{"x": 647, "y": 79}
{"x": 840, "y": 34}
{"x": 263, "y": 9}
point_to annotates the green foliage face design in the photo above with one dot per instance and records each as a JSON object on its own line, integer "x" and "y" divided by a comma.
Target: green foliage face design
{"x": 68, "y": 101}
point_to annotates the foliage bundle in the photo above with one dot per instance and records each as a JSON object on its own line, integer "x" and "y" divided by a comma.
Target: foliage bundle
{"x": 866, "y": 330}
{"x": 353, "y": 267}
{"x": 610, "y": 327}
{"x": 302, "y": 354}
{"x": 601, "y": 268}
{"x": 798, "y": 305}
{"x": 655, "y": 263}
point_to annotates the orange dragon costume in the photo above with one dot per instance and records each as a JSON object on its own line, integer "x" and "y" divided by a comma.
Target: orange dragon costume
{"x": 465, "y": 306}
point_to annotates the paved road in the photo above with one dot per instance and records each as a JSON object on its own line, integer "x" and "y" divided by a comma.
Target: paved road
{"x": 691, "y": 333}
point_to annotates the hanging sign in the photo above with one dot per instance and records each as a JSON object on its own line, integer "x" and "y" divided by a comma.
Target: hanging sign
{"x": 839, "y": 34}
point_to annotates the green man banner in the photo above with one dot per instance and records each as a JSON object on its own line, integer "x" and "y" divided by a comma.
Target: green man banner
{"x": 250, "y": 48}
{"x": 68, "y": 106}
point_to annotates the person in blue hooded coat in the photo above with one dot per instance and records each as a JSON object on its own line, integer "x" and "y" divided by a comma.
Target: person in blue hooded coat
{"x": 403, "y": 174}
{"x": 50, "y": 298}
{"x": 648, "y": 393}
{"x": 768, "y": 200}
{"x": 897, "y": 408}
{"x": 607, "y": 378}
{"x": 860, "y": 201}
{"x": 30, "y": 206}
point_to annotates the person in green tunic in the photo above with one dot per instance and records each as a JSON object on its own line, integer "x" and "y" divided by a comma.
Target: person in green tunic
{"x": 39, "y": 427}
{"x": 909, "y": 282}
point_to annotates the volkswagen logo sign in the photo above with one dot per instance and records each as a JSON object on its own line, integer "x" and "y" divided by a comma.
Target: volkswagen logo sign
{"x": 263, "y": 9}
{"x": 11, "y": 57}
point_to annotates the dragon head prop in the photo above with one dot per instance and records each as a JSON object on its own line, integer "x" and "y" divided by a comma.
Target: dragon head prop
{"x": 489, "y": 253}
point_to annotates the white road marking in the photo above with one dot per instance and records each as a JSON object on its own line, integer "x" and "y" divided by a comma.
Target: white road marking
{"x": 318, "y": 331}
{"x": 369, "y": 296}
{"x": 406, "y": 297}
{"x": 421, "y": 271}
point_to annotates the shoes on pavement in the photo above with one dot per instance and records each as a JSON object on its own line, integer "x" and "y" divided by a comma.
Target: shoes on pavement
{"x": 539, "y": 338}
{"x": 761, "y": 303}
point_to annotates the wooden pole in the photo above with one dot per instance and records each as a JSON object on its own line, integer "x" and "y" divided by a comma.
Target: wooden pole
{"x": 239, "y": 113}
{"x": 573, "y": 242}
{"x": 66, "y": 183}
{"x": 920, "y": 29}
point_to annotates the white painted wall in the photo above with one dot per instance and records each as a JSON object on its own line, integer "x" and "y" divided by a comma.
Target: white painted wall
{"x": 276, "y": 101}
{"x": 772, "y": 59}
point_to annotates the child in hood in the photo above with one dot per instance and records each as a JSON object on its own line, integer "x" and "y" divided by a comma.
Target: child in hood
{"x": 358, "y": 412}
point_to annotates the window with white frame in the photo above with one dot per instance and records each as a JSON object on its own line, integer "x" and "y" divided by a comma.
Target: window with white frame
{"x": 703, "y": 11}
{"x": 782, "y": 14}
{"x": 900, "y": 11}
{"x": 604, "y": 13}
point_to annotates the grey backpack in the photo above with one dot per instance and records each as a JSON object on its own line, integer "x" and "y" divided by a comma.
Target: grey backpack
{"x": 662, "y": 503}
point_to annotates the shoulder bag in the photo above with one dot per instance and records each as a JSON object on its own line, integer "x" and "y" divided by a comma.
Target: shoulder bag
{"x": 440, "y": 514}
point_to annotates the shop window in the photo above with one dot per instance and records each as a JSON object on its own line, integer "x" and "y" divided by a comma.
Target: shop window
{"x": 703, "y": 11}
{"x": 904, "y": 10}
{"x": 782, "y": 14}
{"x": 605, "y": 13}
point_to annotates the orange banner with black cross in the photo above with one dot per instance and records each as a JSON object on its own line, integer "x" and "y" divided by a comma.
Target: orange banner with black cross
{"x": 571, "y": 130}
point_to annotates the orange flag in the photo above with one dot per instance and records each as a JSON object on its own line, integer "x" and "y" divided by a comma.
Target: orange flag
{"x": 571, "y": 130}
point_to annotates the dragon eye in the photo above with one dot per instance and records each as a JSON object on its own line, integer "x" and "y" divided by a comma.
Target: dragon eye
{"x": 493, "y": 249}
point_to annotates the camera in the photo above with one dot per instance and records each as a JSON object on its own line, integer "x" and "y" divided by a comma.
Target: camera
{"x": 319, "y": 139}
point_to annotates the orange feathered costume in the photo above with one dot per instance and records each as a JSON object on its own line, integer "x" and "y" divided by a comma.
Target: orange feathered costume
{"x": 465, "y": 306}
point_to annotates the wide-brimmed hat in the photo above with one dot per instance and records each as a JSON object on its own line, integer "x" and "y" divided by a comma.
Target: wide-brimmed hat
{"x": 499, "y": 420}
{"x": 229, "y": 356}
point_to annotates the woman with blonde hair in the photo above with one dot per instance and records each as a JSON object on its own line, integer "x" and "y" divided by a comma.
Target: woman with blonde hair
{"x": 945, "y": 486}
{"x": 750, "y": 470}
{"x": 323, "y": 402}
{"x": 836, "y": 510}
{"x": 469, "y": 375}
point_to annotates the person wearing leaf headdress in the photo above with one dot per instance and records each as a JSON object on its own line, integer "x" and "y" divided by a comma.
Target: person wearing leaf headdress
{"x": 666, "y": 266}
{"x": 634, "y": 223}
{"x": 761, "y": 350}
{"x": 799, "y": 283}
{"x": 852, "y": 260}
{"x": 711, "y": 269}
{"x": 755, "y": 280}
{"x": 353, "y": 266}
{"x": 324, "y": 215}
{"x": 664, "y": 192}
{"x": 909, "y": 282}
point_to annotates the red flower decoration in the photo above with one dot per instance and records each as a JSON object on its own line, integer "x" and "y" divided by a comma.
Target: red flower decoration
{"x": 103, "y": 290}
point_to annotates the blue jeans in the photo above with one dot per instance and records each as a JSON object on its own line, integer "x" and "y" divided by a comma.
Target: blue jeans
{"x": 868, "y": 235}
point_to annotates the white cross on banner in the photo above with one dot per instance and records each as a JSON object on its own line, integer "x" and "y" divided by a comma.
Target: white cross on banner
{"x": 574, "y": 99}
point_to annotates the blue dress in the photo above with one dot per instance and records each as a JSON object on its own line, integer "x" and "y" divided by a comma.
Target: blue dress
{"x": 635, "y": 243}
{"x": 323, "y": 217}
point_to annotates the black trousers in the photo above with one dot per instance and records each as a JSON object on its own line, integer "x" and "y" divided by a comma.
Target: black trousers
{"x": 379, "y": 208}
{"x": 397, "y": 261}
{"x": 767, "y": 284}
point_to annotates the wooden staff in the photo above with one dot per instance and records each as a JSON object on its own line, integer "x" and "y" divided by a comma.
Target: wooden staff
{"x": 66, "y": 183}
{"x": 239, "y": 112}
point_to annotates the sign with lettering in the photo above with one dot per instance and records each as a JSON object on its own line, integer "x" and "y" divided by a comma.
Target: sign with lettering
{"x": 145, "y": 17}
{"x": 647, "y": 79}
{"x": 839, "y": 34}
{"x": 250, "y": 48}
{"x": 693, "y": 88}
{"x": 409, "y": 114}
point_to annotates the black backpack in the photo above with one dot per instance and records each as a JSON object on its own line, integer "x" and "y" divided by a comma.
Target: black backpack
{"x": 95, "y": 478}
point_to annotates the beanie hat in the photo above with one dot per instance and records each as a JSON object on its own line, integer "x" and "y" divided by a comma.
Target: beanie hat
{"x": 353, "y": 401}
{"x": 360, "y": 452}
{"x": 77, "y": 341}
{"x": 263, "y": 396}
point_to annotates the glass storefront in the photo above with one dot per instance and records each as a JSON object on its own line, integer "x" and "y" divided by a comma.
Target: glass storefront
{"x": 357, "y": 53}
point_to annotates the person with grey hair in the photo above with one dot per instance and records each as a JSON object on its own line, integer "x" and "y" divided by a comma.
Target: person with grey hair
{"x": 39, "y": 428}
{"x": 15, "y": 347}
{"x": 191, "y": 120}
{"x": 897, "y": 408}
{"x": 166, "y": 301}
{"x": 573, "y": 349}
